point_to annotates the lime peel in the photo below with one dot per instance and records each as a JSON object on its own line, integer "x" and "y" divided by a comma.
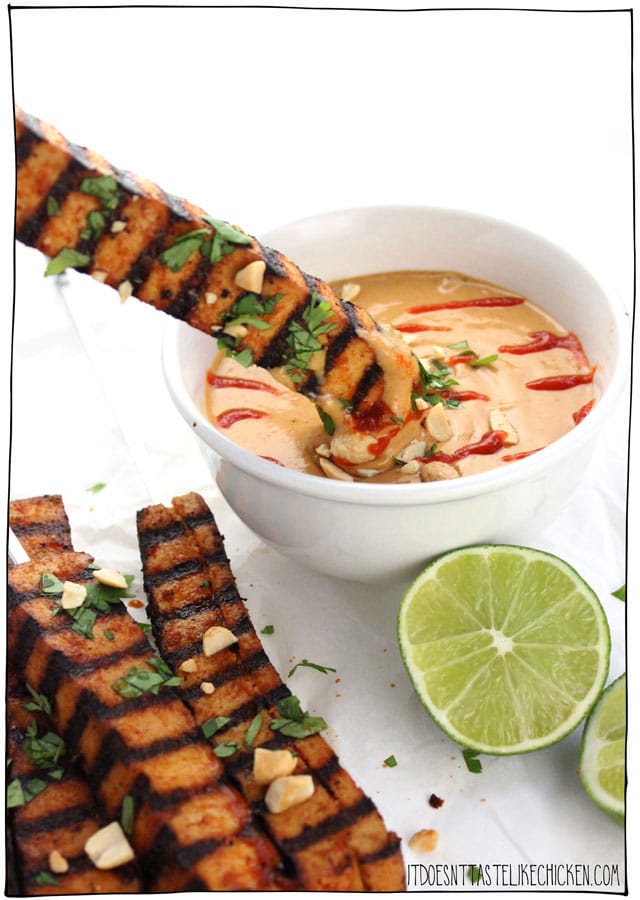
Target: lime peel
{"x": 507, "y": 646}
{"x": 602, "y": 756}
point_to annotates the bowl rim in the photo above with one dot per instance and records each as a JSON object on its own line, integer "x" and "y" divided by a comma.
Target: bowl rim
{"x": 367, "y": 494}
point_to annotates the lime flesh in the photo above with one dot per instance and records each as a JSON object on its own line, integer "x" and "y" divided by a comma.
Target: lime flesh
{"x": 602, "y": 758}
{"x": 507, "y": 647}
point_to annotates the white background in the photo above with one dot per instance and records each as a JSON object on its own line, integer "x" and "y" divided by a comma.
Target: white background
{"x": 262, "y": 116}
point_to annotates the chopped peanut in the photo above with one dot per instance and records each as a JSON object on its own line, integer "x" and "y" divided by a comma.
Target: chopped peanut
{"x": 58, "y": 864}
{"x": 438, "y": 424}
{"x": 424, "y": 841}
{"x": 109, "y": 848}
{"x": 251, "y": 278}
{"x": 288, "y": 791}
{"x": 217, "y": 638}
{"x": 271, "y": 764}
{"x": 437, "y": 471}
{"x": 73, "y": 595}
{"x": 111, "y": 578}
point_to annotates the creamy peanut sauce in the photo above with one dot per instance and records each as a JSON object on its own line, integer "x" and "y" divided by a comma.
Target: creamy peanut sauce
{"x": 504, "y": 413}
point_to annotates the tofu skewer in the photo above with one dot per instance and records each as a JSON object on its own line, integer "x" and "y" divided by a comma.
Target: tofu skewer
{"x": 262, "y": 309}
{"x": 336, "y": 838}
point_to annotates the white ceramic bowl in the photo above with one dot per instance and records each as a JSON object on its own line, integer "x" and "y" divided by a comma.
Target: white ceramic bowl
{"x": 375, "y": 532}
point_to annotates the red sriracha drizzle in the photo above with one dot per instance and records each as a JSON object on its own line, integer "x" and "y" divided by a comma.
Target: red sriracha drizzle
{"x": 512, "y": 457}
{"x": 490, "y": 442}
{"x": 231, "y": 416}
{"x": 464, "y": 304}
{"x": 579, "y": 415}
{"x": 408, "y": 328}
{"x": 248, "y": 384}
{"x": 545, "y": 340}
{"x": 560, "y": 382}
{"x": 462, "y": 396}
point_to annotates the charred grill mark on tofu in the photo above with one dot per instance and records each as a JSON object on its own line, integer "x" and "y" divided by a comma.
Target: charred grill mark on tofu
{"x": 336, "y": 840}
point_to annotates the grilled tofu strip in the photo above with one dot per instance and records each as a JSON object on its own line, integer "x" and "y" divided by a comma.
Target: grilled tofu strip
{"x": 129, "y": 234}
{"x": 62, "y": 815}
{"x": 191, "y": 830}
{"x": 336, "y": 839}
{"x": 40, "y": 524}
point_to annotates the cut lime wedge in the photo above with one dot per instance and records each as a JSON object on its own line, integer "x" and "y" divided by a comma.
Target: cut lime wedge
{"x": 507, "y": 647}
{"x": 602, "y": 763}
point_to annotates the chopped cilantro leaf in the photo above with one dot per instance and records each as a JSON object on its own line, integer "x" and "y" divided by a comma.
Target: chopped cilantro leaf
{"x": 214, "y": 725}
{"x": 391, "y": 762}
{"x": 310, "y": 665}
{"x": 253, "y": 729}
{"x": 470, "y": 757}
{"x": 67, "y": 257}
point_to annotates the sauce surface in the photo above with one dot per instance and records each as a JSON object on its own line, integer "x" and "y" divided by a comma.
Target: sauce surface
{"x": 521, "y": 381}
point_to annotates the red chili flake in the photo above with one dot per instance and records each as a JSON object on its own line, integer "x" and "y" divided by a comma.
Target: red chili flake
{"x": 464, "y": 304}
{"x": 135, "y": 604}
{"x": 231, "y": 416}
{"x": 435, "y": 801}
{"x": 580, "y": 414}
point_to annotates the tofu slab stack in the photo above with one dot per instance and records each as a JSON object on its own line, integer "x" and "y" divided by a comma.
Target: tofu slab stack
{"x": 126, "y": 232}
{"x": 197, "y": 817}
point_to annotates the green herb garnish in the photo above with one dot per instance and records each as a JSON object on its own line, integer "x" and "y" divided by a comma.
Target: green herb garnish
{"x": 65, "y": 259}
{"x": 97, "y": 487}
{"x": 98, "y": 599}
{"x": 43, "y": 751}
{"x": 214, "y": 725}
{"x": 19, "y": 794}
{"x": 110, "y": 636}
{"x": 40, "y": 702}
{"x": 224, "y": 241}
{"x": 140, "y": 681}
{"x": 253, "y": 729}
{"x": 126, "y": 814}
{"x": 434, "y": 383}
{"x": 268, "y": 629}
{"x": 43, "y": 878}
{"x": 391, "y": 762}
{"x": 104, "y": 187}
{"x": 294, "y": 722}
{"x": 53, "y": 207}
{"x": 302, "y": 337}
{"x": 310, "y": 665}
{"x": 49, "y": 584}
{"x": 176, "y": 255}
{"x": 483, "y": 361}
{"x": 227, "y": 748}
{"x": 473, "y": 763}
{"x": 621, "y": 593}
{"x": 327, "y": 422}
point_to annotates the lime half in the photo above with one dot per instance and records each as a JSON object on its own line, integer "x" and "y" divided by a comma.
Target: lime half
{"x": 507, "y": 647}
{"x": 602, "y": 767}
